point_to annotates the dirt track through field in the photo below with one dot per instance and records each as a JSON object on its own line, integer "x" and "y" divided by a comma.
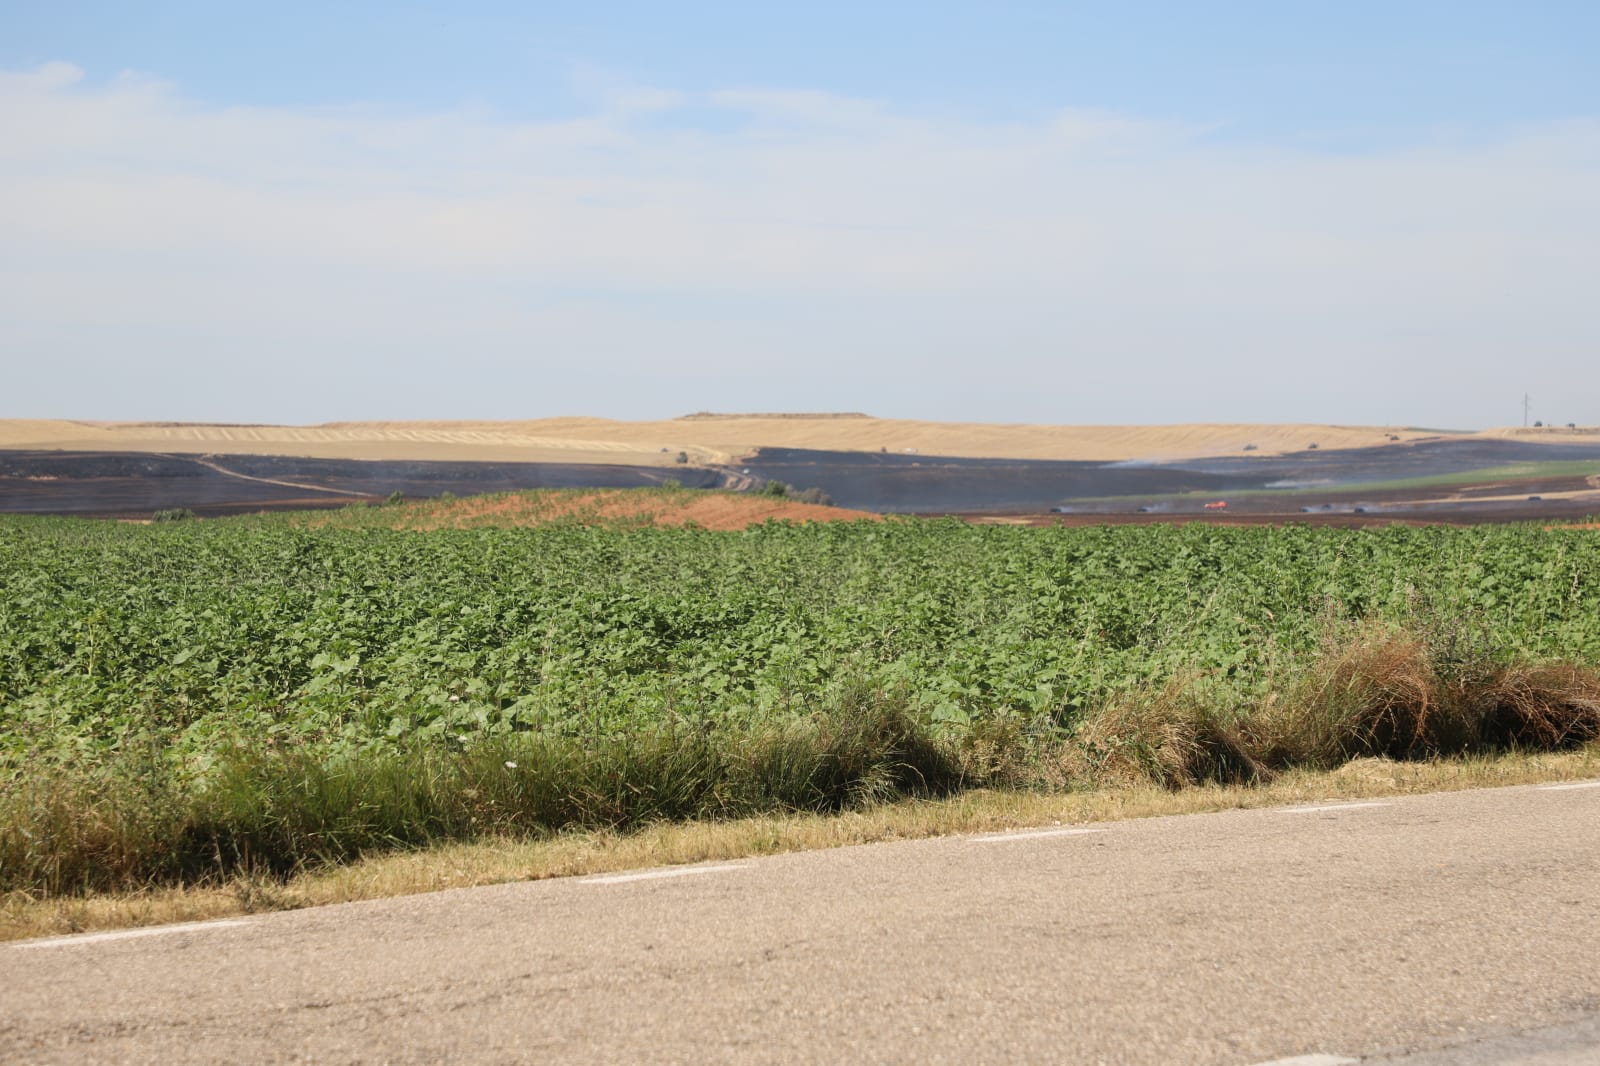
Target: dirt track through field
{"x": 212, "y": 465}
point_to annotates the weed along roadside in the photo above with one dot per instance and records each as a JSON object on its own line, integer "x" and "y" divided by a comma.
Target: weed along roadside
{"x": 496, "y": 860}
{"x": 244, "y": 714}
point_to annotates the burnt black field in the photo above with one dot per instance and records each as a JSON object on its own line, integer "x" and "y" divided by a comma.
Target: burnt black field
{"x": 133, "y": 485}
{"x": 893, "y": 482}
{"x": 896, "y": 483}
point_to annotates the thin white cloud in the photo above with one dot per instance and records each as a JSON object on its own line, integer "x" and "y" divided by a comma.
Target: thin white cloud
{"x": 42, "y": 79}
{"x": 810, "y": 235}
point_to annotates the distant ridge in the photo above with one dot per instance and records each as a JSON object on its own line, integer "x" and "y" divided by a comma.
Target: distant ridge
{"x": 704, "y": 416}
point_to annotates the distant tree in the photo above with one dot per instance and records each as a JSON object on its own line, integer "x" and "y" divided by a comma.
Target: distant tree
{"x": 683, "y": 457}
{"x": 775, "y": 488}
{"x": 174, "y": 514}
{"x": 395, "y": 498}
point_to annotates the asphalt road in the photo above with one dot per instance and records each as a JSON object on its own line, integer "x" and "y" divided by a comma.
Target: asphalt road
{"x": 1448, "y": 930}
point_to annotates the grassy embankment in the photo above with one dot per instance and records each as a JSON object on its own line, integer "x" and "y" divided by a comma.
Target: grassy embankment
{"x": 251, "y": 709}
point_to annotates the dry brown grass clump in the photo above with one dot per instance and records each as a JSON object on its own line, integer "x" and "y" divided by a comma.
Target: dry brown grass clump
{"x": 1373, "y": 693}
{"x": 1546, "y": 707}
{"x": 1370, "y": 694}
{"x": 1171, "y": 736}
{"x": 1406, "y": 698}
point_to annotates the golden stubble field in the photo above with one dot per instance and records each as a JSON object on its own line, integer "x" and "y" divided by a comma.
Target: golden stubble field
{"x": 711, "y": 440}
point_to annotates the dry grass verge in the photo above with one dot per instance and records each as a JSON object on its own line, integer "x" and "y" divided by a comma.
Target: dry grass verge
{"x": 499, "y": 860}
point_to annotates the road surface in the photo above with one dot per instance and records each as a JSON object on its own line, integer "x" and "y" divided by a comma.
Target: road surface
{"x": 1445, "y": 930}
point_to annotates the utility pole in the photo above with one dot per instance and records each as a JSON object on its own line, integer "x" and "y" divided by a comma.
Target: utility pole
{"x": 1526, "y": 400}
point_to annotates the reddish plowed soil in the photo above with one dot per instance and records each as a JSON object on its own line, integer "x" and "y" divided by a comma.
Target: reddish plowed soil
{"x": 603, "y": 507}
{"x": 711, "y": 510}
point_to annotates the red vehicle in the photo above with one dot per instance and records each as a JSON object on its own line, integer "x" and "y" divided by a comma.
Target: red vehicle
{"x": 1220, "y": 505}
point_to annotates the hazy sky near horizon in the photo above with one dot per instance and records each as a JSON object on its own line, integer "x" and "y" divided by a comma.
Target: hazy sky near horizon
{"x": 1352, "y": 212}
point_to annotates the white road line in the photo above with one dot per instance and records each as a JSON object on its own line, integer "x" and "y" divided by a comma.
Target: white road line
{"x": 1569, "y": 788}
{"x": 1312, "y": 1060}
{"x": 1330, "y": 807}
{"x": 653, "y": 875}
{"x": 129, "y": 934}
{"x": 999, "y": 838}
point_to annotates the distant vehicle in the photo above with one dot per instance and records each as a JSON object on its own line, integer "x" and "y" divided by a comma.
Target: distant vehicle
{"x": 1394, "y": 436}
{"x": 1144, "y": 510}
{"x": 1532, "y": 499}
{"x": 1249, "y": 447}
{"x": 1311, "y": 447}
{"x": 1359, "y": 510}
{"x": 1220, "y": 505}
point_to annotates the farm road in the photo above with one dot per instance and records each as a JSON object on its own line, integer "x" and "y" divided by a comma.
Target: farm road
{"x": 1440, "y": 930}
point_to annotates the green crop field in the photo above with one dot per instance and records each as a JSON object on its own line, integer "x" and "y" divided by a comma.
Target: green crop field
{"x": 181, "y": 698}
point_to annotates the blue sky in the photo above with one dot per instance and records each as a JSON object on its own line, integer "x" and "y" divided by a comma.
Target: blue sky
{"x": 1355, "y": 212}
{"x": 1274, "y": 69}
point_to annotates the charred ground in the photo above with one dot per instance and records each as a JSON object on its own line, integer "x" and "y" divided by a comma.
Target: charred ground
{"x": 1440, "y": 479}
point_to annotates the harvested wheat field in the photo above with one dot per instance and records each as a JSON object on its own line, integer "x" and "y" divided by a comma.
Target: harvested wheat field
{"x": 704, "y": 439}
{"x": 626, "y": 508}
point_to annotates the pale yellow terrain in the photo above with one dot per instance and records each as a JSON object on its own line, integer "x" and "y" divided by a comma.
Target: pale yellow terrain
{"x": 719, "y": 439}
{"x": 547, "y": 441}
{"x": 1545, "y": 434}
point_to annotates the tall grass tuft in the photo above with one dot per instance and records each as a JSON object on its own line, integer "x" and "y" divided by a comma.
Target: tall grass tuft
{"x": 1175, "y": 734}
{"x": 1371, "y": 691}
